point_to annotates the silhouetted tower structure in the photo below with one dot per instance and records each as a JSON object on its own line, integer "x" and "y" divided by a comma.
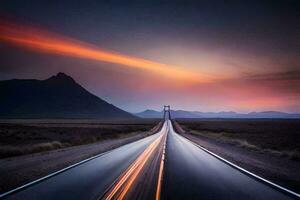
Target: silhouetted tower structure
{"x": 167, "y": 112}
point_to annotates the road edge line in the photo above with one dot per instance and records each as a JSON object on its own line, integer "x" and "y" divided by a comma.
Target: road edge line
{"x": 50, "y": 175}
{"x": 274, "y": 185}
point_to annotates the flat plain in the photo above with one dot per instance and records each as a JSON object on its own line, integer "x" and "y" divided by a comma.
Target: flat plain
{"x": 19, "y": 137}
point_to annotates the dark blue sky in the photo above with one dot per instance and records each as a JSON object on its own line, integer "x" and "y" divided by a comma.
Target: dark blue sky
{"x": 240, "y": 24}
{"x": 237, "y": 38}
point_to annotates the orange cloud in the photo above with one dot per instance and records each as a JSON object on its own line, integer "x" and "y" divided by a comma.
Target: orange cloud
{"x": 42, "y": 41}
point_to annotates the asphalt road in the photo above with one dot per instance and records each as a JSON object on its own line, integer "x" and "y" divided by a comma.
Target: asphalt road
{"x": 88, "y": 180}
{"x": 187, "y": 172}
{"x": 191, "y": 173}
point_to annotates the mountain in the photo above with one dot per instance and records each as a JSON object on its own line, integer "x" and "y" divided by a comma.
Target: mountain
{"x": 57, "y": 97}
{"x": 273, "y": 114}
{"x": 150, "y": 114}
{"x": 197, "y": 114}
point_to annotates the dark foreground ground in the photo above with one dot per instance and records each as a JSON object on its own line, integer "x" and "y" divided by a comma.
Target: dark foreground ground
{"x": 269, "y": 148}
{"x": 31, "y": 149}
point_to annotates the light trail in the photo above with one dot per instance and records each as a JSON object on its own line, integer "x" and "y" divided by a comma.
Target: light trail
{"x": 123, "y": 185}
{"x": 42, "y": 41}
{"x": 161, "y": 168}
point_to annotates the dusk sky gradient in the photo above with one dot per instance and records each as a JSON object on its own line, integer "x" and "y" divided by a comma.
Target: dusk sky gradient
{"x": 208, "y": 56}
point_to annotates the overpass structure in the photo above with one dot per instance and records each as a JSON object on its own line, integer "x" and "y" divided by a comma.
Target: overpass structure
{"x": 167, "y": 112}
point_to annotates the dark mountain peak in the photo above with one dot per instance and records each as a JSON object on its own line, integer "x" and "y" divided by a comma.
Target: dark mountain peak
{"x": 56, "y": 97}
{"x": 61, "y": 77}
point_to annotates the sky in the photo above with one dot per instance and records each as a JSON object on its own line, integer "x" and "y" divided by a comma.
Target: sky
{"x": 239, "y": 56}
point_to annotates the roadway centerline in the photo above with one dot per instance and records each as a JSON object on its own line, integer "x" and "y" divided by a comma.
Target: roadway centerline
{"x": 161, "y": 168}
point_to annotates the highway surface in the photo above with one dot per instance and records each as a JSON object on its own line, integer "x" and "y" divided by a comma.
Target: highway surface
{"x": 162, "y": 166}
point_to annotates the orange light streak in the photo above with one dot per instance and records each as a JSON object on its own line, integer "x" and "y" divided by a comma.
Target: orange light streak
{"x": 160, "y": 175}
{"x": 123, "y": 185}
{"x": 42, "y": 41}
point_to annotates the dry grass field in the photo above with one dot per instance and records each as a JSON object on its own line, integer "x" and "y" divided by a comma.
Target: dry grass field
{"x": 19, "y": 137}
{"x": 277, "y": 136}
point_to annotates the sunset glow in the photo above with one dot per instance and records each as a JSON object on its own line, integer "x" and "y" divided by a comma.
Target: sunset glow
{"x": 191, "y": 71}
{"x": 42, "y": 41}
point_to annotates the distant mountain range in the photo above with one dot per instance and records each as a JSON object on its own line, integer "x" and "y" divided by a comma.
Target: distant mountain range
{"x": 197, "y": 114}
{"x": 57, "y": 97}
